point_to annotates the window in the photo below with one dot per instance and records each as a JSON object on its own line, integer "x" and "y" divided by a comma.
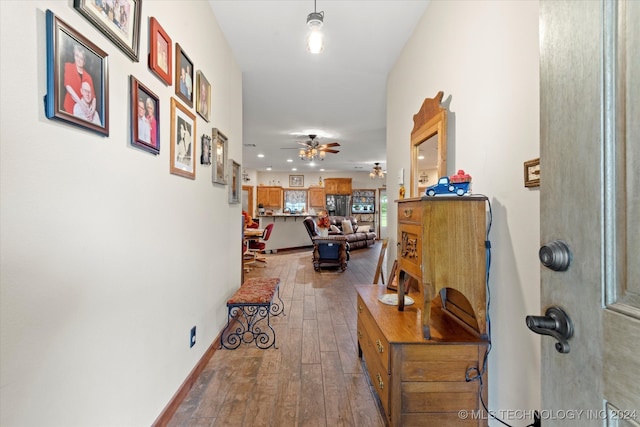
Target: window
{"x": 295, "y": 201}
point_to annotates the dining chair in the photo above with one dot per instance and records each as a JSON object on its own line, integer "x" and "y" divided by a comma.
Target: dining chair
{"x": 258, "y": 246}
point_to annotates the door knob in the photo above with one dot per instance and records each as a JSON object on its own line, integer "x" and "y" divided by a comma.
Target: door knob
{"x": 555, "y": 255}
{"x": 556, "y": 323}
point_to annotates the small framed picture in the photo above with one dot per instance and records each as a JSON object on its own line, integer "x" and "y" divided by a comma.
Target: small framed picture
{"x": 296, "y": 180}
{"x": 77, "y": 78}
{"x": 235, "y": 187}
{"x": 183, "y": 138}
{"x": 118, "y": 20}
{"x": 145, "y": 117}
{"x": 184, "y": 76}
{"x": 205, "y": 157}
{"x": 220, "y": 142}
{"x": 532, "y": 173}
{"x": 203, "y": 98}
{"x": 160, "y": 51}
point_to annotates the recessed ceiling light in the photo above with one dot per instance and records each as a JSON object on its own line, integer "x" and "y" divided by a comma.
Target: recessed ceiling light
{"x": 294, "y": 169}
{"x": 322, "y": 170}
{"x": 289, "y": 160}
{"x": 260, "y": 155}
{"x": 312, "y": 164}
{"x": 268, "y": 168}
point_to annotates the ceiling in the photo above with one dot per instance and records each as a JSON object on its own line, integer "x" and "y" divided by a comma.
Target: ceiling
{"x": 338, "y": 94}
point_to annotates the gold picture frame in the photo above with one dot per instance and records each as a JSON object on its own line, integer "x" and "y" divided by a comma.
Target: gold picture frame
{"x": 532, "y": 173}
{"x": 183, "y": 141}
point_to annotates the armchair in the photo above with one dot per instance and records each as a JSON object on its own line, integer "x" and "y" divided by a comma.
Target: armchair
{"x": 328, "y": 251}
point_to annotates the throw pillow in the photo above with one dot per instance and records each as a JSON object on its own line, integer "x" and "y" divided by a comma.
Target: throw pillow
{"x": 334, "y": 229}
{"x": 346, "y": 227}
{"x": 363, "y": 228}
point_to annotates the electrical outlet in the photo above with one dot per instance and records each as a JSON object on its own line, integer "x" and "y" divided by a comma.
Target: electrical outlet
{"x": 192, "y": 338}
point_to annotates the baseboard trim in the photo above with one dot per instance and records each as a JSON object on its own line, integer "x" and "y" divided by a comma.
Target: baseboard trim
{"x": 173, "y": 405}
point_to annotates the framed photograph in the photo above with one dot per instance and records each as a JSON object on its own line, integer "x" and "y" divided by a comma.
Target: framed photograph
{"x": 77, "y": 78}
{"x": 220, "y": 142}
{"x": 183, "y": 139}
{"x": 235, "y": 187}
{"x": 119, "y": 20}
{"x": 205, "y": 157}
{"x": 160, "y": 52}
{"x": 203, "y": 98}
{"x": 296, "y": 180}
{"x": 145, "y": 117}
{"x": 532, "y": 173}
{"x": 184, "y": 76}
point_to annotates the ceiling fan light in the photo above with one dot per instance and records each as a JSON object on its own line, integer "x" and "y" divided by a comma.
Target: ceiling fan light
{"x": 322, "y": 154}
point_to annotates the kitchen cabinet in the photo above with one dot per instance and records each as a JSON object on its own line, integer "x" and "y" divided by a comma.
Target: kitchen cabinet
{"x": 269, "y": 196}
{"x": 316, "y": 197}
{"x": 337, "y": 186}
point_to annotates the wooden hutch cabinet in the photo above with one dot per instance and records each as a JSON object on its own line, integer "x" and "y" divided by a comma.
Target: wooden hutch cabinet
{"x": 316, "y": 197}
{"x": 270, "y": 197}
{"x": 337, "y": 186}
{"x": 418, "y": 356}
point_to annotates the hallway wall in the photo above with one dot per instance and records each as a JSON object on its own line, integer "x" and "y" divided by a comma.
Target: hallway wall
{"x": 484, "y": 56}
{"x": 106, "y": 259}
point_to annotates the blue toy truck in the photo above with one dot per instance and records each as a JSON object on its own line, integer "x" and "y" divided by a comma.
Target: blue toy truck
{"x": 445, "y": 187}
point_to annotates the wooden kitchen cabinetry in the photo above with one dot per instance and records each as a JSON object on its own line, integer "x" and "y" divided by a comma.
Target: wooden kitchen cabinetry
{"x": 270, "y": 197}
{"x": 418, "y": 356}
{"x": 337, "y": 186}
{"x": 316, "y": 197}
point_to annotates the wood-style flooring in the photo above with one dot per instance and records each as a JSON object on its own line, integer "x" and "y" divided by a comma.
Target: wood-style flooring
{"x": 314, "y": 377}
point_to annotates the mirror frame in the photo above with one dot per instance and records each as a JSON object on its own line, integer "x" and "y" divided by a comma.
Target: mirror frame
{"x": 430, "y": 120}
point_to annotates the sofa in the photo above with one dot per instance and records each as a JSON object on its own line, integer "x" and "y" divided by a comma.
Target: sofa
{"x": 356, "y": 238}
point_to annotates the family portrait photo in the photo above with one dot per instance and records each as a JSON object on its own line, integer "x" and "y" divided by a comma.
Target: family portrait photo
{"x": 119, "y": 20}
{"x": 76, "y": 78}
{"x": 184, "y": 76}
{"x": 145, "y": 117}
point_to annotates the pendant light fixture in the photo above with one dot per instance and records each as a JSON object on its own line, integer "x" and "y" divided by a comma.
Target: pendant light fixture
{"x": 315, "y": 37}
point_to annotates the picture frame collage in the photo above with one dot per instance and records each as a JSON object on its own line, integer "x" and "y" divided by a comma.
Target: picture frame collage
{"x": 77, "y": 89}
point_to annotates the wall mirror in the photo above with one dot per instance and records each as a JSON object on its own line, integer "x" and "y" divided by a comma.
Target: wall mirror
{"x": 428, "y": 145}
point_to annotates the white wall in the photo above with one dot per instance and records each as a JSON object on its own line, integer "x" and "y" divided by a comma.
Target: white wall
{"x": 484, "y": 56}
{"x": 107, "y": 260}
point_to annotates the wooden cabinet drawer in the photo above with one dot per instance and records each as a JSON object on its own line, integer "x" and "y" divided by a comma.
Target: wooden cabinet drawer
{"x": 367, "y": 325}
{"x": 378, "y": 374}
{"x": 410, "y": 212}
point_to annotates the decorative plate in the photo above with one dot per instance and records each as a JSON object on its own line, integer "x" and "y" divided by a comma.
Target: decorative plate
{"x": 392, "y": 299}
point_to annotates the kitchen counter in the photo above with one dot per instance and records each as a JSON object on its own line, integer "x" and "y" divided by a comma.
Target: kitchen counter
{"x": 288, "y": 231}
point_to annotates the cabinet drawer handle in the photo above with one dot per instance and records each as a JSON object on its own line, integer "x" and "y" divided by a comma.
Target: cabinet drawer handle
{"x": 408, "y": 213}
{"x": 359, "y": 334}
{"x": 359, "y": 309}
{"x": 380, "y": 382}
{"x": 380, "y": 346}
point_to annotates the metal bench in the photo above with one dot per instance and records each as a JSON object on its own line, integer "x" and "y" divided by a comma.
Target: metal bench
{"x": 250, "y": 308}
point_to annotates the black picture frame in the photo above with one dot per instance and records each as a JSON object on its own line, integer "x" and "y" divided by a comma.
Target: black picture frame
{"x": 145, "y": 128}
{"x": 184, "y": 76}
{"x": 118, "y": 20}
{"x": 77, "y": 78}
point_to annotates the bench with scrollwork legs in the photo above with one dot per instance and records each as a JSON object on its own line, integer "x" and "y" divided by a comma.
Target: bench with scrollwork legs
{"x": 250, "y": 308}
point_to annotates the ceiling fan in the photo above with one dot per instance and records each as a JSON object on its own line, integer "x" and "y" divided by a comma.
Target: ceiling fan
{"x": 312, "y": 149}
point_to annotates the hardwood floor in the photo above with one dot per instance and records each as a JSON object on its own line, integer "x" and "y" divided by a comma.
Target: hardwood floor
{"x": 314, "y": 377}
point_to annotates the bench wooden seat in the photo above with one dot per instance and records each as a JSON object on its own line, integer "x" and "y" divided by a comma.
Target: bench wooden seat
{"x": 249, "y": 308}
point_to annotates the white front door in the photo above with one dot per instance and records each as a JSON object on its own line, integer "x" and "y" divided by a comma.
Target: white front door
{"x": 590, "y": 200}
